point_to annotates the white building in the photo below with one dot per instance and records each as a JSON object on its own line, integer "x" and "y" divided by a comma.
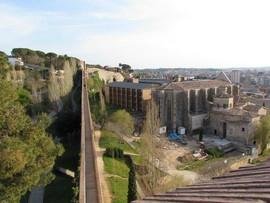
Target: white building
{"x": 15, "y": 61}
{"x": 235, "y": 76}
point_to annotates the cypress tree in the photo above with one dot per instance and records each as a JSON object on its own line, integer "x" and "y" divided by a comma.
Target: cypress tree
{"x": 132, "y": 189}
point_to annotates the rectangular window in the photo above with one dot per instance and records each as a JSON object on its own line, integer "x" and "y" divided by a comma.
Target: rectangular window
{"x": 243, "y": 129}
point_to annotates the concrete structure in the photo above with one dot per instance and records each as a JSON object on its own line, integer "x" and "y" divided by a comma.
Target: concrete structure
{"x": 235, "y": 76}
{"x": 187, "y": 103}
{"x": 15, "y": 61}
{"x": 128, "y": 95}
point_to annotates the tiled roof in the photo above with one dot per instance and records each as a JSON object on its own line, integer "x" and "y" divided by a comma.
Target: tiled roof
{"x": 247, "y": 184}
{"x": 245, "y": 115}
{"x": 196, "y": 84}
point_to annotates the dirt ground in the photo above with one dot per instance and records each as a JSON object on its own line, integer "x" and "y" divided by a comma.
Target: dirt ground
{"x": 169, "y": 152}
{"x": 102, "y": 175}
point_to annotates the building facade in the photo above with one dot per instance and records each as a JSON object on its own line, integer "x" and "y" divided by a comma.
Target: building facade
{"x": 187, "y": 104}
{"x": 128, "y": 95}
{"x": 234, "y": 123}
{"x": 15, "y": 61}
{"x": 235, "y": 76}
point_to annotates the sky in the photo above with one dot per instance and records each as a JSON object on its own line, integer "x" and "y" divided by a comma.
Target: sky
{"x": 142, "y": 33}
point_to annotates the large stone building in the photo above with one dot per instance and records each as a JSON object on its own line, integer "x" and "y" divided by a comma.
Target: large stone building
{"x": 186, "y": 103}
{"x": 129, "y": 95}
{"x": 234, "y": 123}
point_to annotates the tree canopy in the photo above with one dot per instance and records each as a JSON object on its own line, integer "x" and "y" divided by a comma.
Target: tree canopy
{"x": 125, "y": 67}
{"x": 27, "y": 152}
{"x": 124, "y": 119}
{"x": 262, "y": 133}
{"x": 4, "y": 66}
{"x": 40, "y": 58}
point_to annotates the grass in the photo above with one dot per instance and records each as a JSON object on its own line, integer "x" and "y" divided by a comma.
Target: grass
{"x": 196, "y": 165}
{"x": 137, "y": 160}
{"x": 118, "y": 181}
{"x": 115, "y": 167}
{"x": 111, "y": 140}
{"x": 119, "y": 189}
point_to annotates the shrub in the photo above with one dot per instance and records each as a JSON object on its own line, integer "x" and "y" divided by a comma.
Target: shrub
{"x": 132, "y": 188}
{"x": 124, "y": 120}
{"x": 215, "y": 152}
{"x": 114, "y": 153}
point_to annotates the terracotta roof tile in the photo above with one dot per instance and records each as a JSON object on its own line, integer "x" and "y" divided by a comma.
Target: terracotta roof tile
{"x": 196, "y": 84}
{"x": 247, "y": 184}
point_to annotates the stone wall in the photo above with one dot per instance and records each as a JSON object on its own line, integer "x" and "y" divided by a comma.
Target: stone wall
{"x": 236, "y": 128}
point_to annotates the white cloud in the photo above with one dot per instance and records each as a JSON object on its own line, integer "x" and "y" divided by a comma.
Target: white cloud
{"x": 147, "y": 33}
{"x": 14, "y": 21}
{"x": 185, "y": 33}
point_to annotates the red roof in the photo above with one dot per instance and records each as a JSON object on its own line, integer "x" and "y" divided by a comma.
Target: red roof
{"x": 247, "y": 184}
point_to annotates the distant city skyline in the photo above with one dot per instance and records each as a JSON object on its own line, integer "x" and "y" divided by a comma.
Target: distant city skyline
{"x": 143, "y": 33}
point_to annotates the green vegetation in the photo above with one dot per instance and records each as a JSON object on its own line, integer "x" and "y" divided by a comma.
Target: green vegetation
{"x": 95, "y": 84}
{"x": 24, "y": 96}
{"x": 137, "y": 159}
{"x": 119, "y": 189}
{"x": 97, "y": 103}
{"x": 67, "y": 127}
{"x": 27, "y": 152}
{"x": 214, "y": 152}
{"x": 197, "y": 165}
{"x": 118, "y": 178}
{"x": 4, "y": 66}
{"x": 116, "y": 167}
{"x": 193, "y": 165}
{"x": 124, "y": 119}
{"x": 41, "y": 58}
{"x": 114, "y": 153}
{"x": 132, "y": 188}
{"x": 111, "y": 140}
{"x": 262, "y": 134}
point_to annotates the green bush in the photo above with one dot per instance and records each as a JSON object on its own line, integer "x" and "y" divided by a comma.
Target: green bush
{"x": 114, "y": 153}
{"x": 215, "y": 152}
{"x": 124, "y": 119}
{"x": 132, "y": 188}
